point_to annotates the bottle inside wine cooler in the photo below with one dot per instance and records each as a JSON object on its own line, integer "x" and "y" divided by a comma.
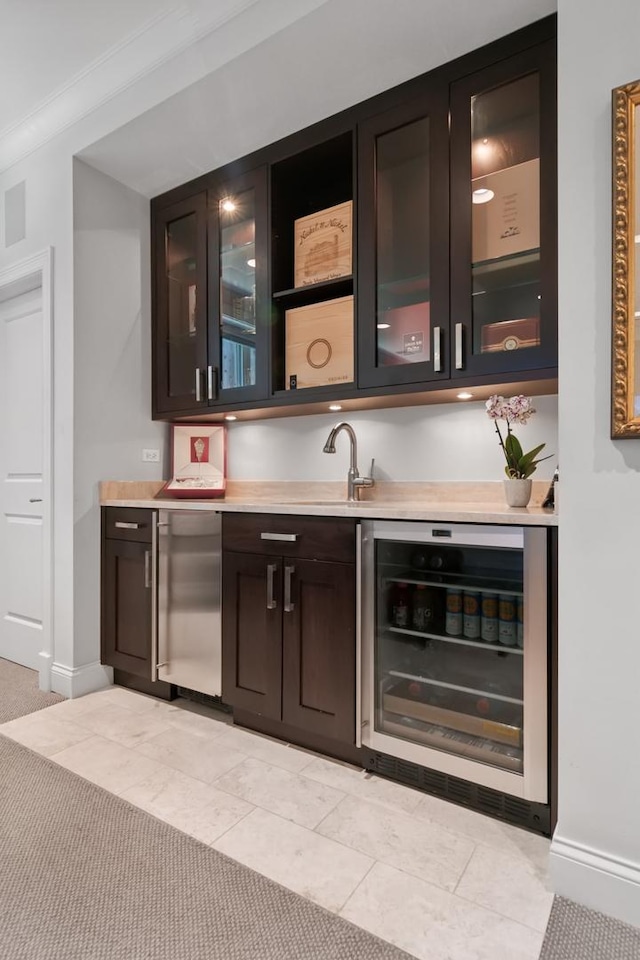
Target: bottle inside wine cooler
{"x": 489, "y": 617}
{"x": 453, "y": 619}
{"x": 507, "y": 631}
{"x": 400, "y": 616}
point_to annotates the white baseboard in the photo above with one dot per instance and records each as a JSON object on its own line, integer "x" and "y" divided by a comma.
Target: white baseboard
{"x": 45, "y": 661}
{"x": 596, "y": 879}
{"x": 74, "y": 682}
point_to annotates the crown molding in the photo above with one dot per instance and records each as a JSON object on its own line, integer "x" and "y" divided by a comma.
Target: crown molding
{"x": 141, "y": 52}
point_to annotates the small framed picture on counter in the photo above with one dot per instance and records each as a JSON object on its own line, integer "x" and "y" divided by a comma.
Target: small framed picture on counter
{"x": 198, "y": 461}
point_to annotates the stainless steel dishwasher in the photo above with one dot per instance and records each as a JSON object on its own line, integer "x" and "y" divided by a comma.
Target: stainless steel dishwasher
{"x": 188, "y": 632}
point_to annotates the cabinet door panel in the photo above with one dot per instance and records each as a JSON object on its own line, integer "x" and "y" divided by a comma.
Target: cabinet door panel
{"x": 126, "y": 604}
{"x": 251, "y": 634}
{"x": 402, "y": 243}
{"x": 239, "y": 306}
{"x": 503, "y": 216}
{"x": 319, "y": 648}
{"x": 180, "y": 305}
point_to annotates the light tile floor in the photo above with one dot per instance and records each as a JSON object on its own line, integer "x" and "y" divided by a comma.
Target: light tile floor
{"x": 437, "y": 880}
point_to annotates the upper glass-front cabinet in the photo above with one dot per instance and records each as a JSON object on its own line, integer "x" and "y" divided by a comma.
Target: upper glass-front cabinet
{"x": 180, "y": 330}
{"x": 403, "y": 244}
{"x": 211, "y": 308}
{"x": 238, "y": 302}
{"x": 503, "y": 248}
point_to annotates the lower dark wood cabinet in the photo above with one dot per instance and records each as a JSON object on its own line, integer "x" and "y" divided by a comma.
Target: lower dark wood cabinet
{"x": 126, "y": 607}
{"x": 289, "y": 626}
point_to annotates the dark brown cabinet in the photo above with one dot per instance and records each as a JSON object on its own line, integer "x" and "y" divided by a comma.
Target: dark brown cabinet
{"x": 503, "y": 217}
{"x": 127, "y": 590}
{"x": 211, "y": 311}
{"x": 289, "y": 621}
{"x": 450, "y": 180}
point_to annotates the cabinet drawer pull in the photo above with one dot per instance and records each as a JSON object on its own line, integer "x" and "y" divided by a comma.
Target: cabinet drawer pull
{"x": 458, "y": 346}
{"x": 127, "y": 525}
{"x": 289, "y": 537}
{"x": 437, "y": 349}
{"x": 288, "y": 605}
{"x": 271, "y": 570}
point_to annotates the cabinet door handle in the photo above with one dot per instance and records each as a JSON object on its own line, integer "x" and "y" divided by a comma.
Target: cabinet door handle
{"x": 458, "y": 346}
{"x": 127, "y": 525}
{"x": 437, "y": 344}
{"x": 35, "y": 499}
{"x": 198, "y": 386}
{"x": 289, "y": 537}
{"x": 210, "y": 378}
{"x": 288, "y": 574}
{"x": 271, "y": 571}
{"x": 147, "y": 569}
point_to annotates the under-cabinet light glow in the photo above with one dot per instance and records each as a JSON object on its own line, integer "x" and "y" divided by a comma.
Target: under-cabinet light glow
{"x": 228, "y": 205}
{"x": 230, "y": 416}
{"x": 335, "y": 407}
{"x": 465, "y": 396}
{"x": 482, "y": 195}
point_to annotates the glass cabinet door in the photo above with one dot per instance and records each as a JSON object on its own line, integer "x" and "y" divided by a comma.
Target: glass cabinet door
{"x": 402, "y": 244}
{"x": 449, "y": 649}
{"x": 238, "y": 272}
{"x": 503, "y": 244}
{"x": 180, "y": 304}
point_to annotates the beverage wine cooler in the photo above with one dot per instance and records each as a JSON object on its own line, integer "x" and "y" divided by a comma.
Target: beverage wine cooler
{"x": 454, "y": 662}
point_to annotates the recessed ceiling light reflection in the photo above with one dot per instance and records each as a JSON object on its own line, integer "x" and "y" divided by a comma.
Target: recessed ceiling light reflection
{"x": 251, "y": 263}
{"x": 383, "y": 326}
{"x": 482, "y": 195}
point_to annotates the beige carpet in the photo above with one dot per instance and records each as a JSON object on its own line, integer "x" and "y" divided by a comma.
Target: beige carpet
{"x": 576, "y": 933}
{"x": 86, "y": 876}
{"x": 19, "y": 693}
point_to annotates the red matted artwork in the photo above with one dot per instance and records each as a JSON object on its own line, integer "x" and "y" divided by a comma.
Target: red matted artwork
{"x": 198, "y": 461}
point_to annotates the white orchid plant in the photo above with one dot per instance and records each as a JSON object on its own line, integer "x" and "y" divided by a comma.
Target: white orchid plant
{"x": 518, "y": 409}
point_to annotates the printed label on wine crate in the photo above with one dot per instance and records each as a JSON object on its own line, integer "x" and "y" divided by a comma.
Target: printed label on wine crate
{"x": 319, "y": 344}
{"x": 510, "y": 335}
{"x": 509, "y": 222}
{"x": 323, "y": 245}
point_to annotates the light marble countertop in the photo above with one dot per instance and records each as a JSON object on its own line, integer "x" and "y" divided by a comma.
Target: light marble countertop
{"x": 420, "y": 502}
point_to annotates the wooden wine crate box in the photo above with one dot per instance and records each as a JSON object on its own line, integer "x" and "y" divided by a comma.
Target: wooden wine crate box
{"x": 319, "y": 344}
{"x": 323, "y": 243}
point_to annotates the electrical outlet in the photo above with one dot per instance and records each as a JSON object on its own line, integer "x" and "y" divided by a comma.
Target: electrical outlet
{"x": 151, "y": 456}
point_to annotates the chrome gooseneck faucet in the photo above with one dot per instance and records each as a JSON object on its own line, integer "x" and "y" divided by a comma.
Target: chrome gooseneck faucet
{"x": 354, "y": 481}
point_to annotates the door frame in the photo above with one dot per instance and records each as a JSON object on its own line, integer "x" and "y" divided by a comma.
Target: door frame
{"x": 33, "y": 273}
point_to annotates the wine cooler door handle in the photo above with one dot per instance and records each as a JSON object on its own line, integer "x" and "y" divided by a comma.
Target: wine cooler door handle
{"x": 289, "y": 606}
{"x": 437, "y": 349}
{"x": 198, "y": 385}
{"x": 459, "y": 338}
{"x": 271, "y": 572}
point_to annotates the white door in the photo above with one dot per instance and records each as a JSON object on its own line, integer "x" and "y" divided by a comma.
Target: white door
{"x": 23, "y": 477}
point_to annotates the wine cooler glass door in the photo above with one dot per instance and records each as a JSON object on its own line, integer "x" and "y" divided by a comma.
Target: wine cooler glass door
{"x": 456, "y": 652}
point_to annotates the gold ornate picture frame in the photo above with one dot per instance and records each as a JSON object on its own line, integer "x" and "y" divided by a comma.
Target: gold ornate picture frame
{"x": 625, "y": 405}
